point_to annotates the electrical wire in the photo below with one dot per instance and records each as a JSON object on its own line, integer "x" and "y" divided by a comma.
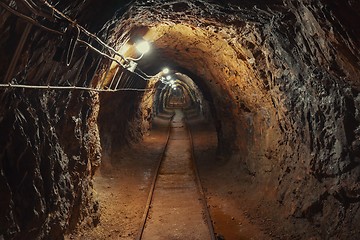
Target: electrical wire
{"x": 101, "y": 53}
{"x": 135, "y": 59}
{"x": 114, "y": 59}
{"x": 31, "y": 20}
{"x": 72, "y": 88}
{"x": 74, "y": 37}
{"x": 83, "y": 29}
{"x": 148, "y": 76}
{"x": 31, "y": 6}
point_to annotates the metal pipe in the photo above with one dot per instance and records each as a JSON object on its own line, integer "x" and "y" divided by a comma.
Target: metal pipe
{"x": 101, "y": 53}
{"x": 31, "y": 6}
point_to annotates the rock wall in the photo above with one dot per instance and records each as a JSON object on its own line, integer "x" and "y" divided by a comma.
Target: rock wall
{"x": 315, "y": 89}
{"x": 49, "y": 141}
{"x": 283, "y": 76}
{"x": 124, "y": 118}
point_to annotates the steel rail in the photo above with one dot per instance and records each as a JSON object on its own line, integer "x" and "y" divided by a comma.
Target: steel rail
{"x": 198, "y": 181}
{"x": 201, "y": 190}
{"x": 152, "y": 188}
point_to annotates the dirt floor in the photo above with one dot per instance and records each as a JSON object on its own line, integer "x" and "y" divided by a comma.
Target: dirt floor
{"x": 123, "y": 190}
{"x": 177, "y": 210}
{"x": 223, "y": 186}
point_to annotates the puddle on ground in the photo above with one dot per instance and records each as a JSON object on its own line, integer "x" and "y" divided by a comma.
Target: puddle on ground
{"x": 227, "y": 227}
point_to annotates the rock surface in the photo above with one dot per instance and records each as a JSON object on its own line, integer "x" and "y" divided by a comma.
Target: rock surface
{"x": 49, "y": 141}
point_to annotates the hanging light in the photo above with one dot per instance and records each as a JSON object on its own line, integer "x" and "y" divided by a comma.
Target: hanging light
{"x": 168, "y": 77}
{"x": 132, "y": 66}
{"x": 165, "y": 71}
{"x": 143, "y": 47}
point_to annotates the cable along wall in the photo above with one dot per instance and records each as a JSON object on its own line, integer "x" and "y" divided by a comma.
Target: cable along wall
{"x": 100, "y": 69}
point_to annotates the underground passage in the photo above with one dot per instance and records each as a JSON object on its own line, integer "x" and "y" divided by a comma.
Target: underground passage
{"x": 191, "y": 119}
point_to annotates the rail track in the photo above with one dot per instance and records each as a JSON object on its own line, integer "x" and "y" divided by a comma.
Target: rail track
{"x": 176, "y": 207}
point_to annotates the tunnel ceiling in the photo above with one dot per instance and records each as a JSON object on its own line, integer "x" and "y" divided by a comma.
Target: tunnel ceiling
{"x": 246, "y": 55}
{"x": 191, "y": 91}
{"x": 194, "y": 46}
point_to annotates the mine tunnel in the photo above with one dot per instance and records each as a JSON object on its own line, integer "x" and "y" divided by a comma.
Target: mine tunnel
{"x": 191, "y": 119}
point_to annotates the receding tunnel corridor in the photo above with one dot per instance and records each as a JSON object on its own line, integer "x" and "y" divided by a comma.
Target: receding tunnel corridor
{"x": 249, "y": 109}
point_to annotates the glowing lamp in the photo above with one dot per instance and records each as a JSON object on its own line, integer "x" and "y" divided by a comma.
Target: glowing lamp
{"x": 165, "y": 71}
{"x": 143, "y": 47}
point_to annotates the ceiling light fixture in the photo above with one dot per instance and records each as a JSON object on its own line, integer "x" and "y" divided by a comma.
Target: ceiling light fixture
{"x": 165, "y": 71}
{"x": 143, "y": 47}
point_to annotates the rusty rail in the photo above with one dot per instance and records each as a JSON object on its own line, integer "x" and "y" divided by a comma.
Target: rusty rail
{"x": 153, "y": 183}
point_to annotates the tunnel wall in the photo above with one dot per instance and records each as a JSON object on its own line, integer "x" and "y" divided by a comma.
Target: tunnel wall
{"x": 315, "y": 91}
{"x": 192, "y": 95}
{"x": 49, "y": 141}
{"x": 124, "y": 118}
{"x": 284, "y": 79}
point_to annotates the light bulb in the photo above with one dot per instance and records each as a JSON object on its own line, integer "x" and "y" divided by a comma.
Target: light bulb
{"x": 143, "y": 47}
{"x": 165, "y": 71}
